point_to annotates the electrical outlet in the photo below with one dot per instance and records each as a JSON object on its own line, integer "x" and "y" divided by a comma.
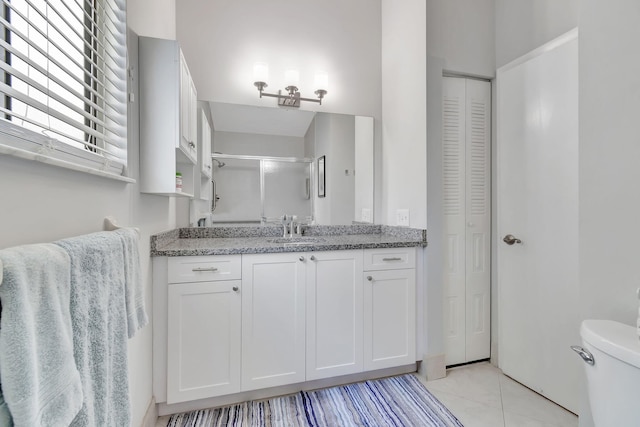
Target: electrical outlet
{"x": 366, "y": 215}
{"x": 402, "y": 217}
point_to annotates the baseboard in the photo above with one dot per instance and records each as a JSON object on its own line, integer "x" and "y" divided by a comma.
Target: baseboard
{"x": 433, "y": 367}
{"x": 164, "y": 409}
{"x": 151, "y": 416}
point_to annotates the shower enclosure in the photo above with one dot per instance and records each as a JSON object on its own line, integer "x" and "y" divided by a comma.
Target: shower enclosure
{"x": 262, "y": 189}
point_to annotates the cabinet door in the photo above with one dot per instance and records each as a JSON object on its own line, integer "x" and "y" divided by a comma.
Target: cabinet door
{"x": 389, "y": 318}
{"x": 205, "y": 145}
{"x": 334, "y": 314}
{"x": 204, "y": 333}
{"x": 185, "y": 99}
{"x": 273, "y": 320}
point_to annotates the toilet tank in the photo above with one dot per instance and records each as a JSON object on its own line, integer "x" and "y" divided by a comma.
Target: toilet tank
{"x": 613, "y": 381}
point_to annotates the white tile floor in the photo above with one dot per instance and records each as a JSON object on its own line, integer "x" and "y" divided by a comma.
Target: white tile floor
{"x": 479, "y": 395}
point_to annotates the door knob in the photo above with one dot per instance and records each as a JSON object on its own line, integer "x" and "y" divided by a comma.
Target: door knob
{"x": 510, "y": 239}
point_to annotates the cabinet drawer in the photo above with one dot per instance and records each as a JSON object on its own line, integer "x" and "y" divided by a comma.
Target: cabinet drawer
{"x": 204, "y": 268}
{"x": 389, "y": 258}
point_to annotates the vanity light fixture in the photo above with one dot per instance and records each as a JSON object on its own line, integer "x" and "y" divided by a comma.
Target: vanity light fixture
{"x": 292, "y": 97}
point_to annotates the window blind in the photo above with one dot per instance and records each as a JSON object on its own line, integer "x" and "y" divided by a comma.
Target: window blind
{"x": 64, "y": 79}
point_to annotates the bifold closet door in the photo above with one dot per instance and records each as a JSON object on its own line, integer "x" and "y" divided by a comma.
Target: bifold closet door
{"x": 466, "y": 207}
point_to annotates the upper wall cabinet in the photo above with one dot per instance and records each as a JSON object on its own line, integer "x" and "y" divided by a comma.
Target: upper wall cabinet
{"x": 168, "y": 119}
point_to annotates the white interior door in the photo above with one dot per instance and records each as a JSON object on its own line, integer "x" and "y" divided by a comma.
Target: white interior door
{"x": 466, "y": 218}
{"x": 537, "y": 200}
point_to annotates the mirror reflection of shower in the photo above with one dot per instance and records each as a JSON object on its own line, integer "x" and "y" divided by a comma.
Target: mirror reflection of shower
{"x": 261, "y": 189}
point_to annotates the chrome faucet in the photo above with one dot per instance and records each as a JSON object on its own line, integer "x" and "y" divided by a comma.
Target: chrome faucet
{"x": 286, "y": 222}
{"x": 290, "y": 226}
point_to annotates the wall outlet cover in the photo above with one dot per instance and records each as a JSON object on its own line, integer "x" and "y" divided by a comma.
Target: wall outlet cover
{"x": 402, "y": 217}
{"x": 366, "y": 215}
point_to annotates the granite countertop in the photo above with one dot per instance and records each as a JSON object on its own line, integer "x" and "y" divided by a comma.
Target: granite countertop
{"x": 229, "y": 240}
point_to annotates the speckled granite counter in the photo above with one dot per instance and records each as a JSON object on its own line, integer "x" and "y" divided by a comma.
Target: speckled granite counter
{"x": 229, "y": 240}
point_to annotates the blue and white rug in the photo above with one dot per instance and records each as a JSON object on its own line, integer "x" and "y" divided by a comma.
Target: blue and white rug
{"x": 396, "y": 401}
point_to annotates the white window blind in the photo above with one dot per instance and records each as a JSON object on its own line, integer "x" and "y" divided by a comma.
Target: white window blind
{"x": 63, "y": 77}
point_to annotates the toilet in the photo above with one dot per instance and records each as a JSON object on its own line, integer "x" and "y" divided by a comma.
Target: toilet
{"x": 611, "y": 351}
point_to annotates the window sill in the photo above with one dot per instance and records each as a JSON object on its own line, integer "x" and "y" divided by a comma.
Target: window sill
{"x": 29, "y": 155}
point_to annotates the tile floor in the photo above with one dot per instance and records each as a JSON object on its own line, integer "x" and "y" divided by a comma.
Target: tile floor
{"x": 479, "y": 395}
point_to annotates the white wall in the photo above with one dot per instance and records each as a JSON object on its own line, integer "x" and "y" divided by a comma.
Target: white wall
{"x": 523, "y": 25}
{"x": 404, "y": 109}
{"x": 42, "y": 203}
{"x": 152, "y": 18}
{"x": 221, "y": 41}
{"x": 461, "y": 32}
{"x": 609, "y": 153}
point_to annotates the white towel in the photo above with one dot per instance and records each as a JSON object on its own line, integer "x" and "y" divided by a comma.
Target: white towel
{"x": 99, "y": 318}
{"x": 134, "y": 291}
{"x": 40, "y": 383}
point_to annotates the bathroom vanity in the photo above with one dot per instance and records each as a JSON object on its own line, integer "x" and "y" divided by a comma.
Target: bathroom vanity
{"x": 243, "y": 313}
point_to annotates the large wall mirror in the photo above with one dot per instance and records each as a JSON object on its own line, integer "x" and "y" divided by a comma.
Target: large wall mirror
{"x": 272, "y": 161}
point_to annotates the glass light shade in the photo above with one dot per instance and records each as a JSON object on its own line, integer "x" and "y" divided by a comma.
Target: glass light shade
{"x": 321, "y": 81}
{"x": 291, "y": 78}
{"x": 260, "y": 72}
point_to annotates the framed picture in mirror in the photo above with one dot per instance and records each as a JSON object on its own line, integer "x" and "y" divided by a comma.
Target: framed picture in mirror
{"x": 321, "y": 178}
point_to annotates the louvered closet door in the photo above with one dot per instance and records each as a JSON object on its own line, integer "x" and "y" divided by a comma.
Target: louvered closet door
{"x": 466, "y": 218}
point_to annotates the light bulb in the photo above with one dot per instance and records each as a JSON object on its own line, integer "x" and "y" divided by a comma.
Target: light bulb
{"x": 291, "y": 78}
{"x": 260, "y": 72}
{"x": 321, "y": 81}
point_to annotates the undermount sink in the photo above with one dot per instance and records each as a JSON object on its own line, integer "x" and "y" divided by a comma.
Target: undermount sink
{"x": 297, "y": 240}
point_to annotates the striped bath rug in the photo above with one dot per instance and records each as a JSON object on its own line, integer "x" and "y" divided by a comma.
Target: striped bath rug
{"x": 395, "y": 401}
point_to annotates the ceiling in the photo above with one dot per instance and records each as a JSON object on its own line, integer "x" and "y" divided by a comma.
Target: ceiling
{"x": 260, "y": 120}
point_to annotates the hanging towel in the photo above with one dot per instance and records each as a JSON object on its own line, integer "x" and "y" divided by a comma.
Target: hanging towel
{"x": 40, "y": 383}
{"x": 99, "y": 320}
{"x": 134, "y": 292}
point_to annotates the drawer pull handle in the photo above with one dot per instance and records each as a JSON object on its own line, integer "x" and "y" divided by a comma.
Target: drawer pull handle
{"x": 392, "y": 259}
{"x": 204, "y": 269}
{"x": 369, "y": 278}
{"x": 235, "y": 289}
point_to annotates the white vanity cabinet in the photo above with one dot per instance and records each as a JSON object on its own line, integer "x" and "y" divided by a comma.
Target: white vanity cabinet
{"x": 273, "y": 320}
{"x": 168, "y": 120}
{"x": 203, "y": 327}
{"x": 334, "y": 313}
{"x": 228, "y": 326}
{"x": 389, "y": 307}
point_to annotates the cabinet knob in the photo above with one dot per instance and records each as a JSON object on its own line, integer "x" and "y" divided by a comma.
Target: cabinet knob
{"x": 369, "y": 278}
{"x": 192, "y": 145}
{"x": 312, "y": 258}
{"x": 235, "y": 289}
{"x": 301, "y": 258}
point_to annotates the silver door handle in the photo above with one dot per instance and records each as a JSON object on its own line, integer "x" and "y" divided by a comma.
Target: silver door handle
{"x": 392, "y": 259}
{"x": 204, "y": 269}
{"x": 510, "y": 239}
{"x": 585, "y": 354}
